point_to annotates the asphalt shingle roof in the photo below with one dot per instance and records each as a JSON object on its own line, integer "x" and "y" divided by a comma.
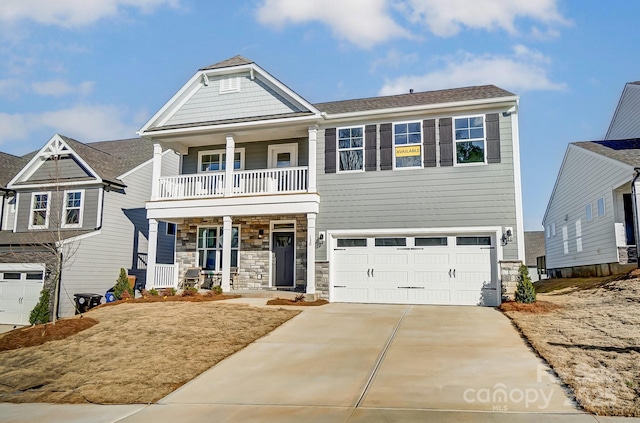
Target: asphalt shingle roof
{"x": 626, "y": 151}
{"x": 9, "y": 166}
{"x": 37, "y": 238}
{"x": 234, "y": 61}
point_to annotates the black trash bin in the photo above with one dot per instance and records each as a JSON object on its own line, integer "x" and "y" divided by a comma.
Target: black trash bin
{"x": 85, "y": 302}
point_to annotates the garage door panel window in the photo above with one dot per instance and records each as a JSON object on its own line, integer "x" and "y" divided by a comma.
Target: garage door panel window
{"x": 34, "y": 276}
{"x": 352, "y": 242}
{"x": 391, "y": 242}
{"x": 11, "y": 276}
{"x": 473, "y": 240}
{"x": 431, "y": 241}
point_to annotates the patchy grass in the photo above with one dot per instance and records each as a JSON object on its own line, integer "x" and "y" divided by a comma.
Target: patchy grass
{"x": 535, "y": 308}
{"x": 592, "y": 340}
{"x": 195, "y": 298}
{"x": 546, "y": 286}
{"x": 137, "y": 353}
{"x": 286, "y": 301}
{"x": 32, "y": 336}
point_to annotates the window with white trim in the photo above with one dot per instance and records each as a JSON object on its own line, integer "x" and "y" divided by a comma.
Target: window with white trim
{"x": 553, "y": 228}
{"x": 578, "y": 235}
{"x": 210, "y": 247}
{"x": 171, "y": 228}
{"x": 72, "y": 209}
{"x": 407, "y": 145}
{"x": 601, "y": 209}
{"x": 469, "y": 140}
{"x": 589, "y": 211}
{"x": 39, "y": 213}
{"x": 565, "y": 239}
{"x": 216, "y": 160}
{"x": 351, "y": 149}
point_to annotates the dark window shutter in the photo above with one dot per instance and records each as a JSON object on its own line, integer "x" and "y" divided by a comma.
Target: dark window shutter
{"x": 493, "y": 137}
{"x": 386, "y": 147}
{"x": 429, "y": 134}
{"x": 446, "y": 142}
{"x": 370, "y": 148}
{"x": 330, "y": 150}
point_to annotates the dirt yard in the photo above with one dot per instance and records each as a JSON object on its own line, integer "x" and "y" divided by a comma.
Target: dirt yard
{"x": 137, "y": 353}
{"x": 592, "y": 340}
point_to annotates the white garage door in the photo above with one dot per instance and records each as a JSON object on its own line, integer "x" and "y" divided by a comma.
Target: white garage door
{"x": 20, "y": 286}
{"x": 414, "y": 270}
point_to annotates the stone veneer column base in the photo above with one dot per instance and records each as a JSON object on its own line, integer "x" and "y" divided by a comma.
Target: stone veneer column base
{"x": 509, "y": 277}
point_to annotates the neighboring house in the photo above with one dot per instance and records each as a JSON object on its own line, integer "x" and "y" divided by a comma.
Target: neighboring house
{"x": 625, "y": 123}
{"x": 589, "y": 222}
{"x": 534, "y": 250}
{"x": 411, "y": 198}
{"x": 88, "y": 198}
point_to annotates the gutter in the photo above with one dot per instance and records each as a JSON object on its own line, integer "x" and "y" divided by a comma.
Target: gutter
{"x": 634, "y": 202}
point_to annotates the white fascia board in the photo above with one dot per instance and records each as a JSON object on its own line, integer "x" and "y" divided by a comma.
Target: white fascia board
{"x": 33, "y": 164}
{"x": 421, "y": 108}
{"x": 230, "y": 127}
{"x": 66, "y": 184}
{"x": 141, "y": 165}
{"x": 234, "y": 206}
{"x": 418, "y": 231}
{"x": 77, "y": 238}
{"x": 517, "y": 179}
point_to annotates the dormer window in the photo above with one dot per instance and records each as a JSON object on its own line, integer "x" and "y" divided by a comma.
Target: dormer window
{"x": 230, "y": 85}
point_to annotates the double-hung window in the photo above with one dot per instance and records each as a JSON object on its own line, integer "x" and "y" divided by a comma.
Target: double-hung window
{"x": 470, "y": 140}
{"x": 351, "y": 149}
{"x": 210, "y": 247}
{"x": 407, "y": 145}
{"x": 215, "y": 161}
{"x": 39, "y": 216}
{"x": 72, "y": 209}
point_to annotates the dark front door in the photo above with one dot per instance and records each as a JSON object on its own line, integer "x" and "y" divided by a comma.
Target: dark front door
{"x": 628, "y": 219}
{"x": 283, "y": 245}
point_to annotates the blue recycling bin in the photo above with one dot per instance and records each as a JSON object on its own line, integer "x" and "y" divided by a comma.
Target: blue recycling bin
{"x": 109, "y": 297}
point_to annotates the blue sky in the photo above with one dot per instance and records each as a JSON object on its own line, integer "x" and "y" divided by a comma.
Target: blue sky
{"x": 97, "y": 70}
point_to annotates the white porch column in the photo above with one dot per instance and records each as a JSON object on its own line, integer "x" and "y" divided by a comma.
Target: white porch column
{"x": 151, "y": 252}
{"x": 156, "y": 171}
{"x": 311, "y": 253}
{"x": 313, "y": 137}
{"x": 226, "y": 252}
{"x": 228, "y": 172}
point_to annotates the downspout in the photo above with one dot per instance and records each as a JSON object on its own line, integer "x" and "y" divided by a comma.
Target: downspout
{"x": 634, "y": 202}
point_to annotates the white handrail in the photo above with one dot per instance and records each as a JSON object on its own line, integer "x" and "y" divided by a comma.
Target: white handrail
{"x": 166, "y": 276}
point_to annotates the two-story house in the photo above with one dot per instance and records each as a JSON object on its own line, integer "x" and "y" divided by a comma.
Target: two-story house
{"x": 412, "y": 198}
{"x": 591, "y": 219}
{"x": 82, "y": 204}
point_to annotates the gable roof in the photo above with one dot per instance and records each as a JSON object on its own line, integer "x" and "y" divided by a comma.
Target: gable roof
{"x": 9, "y": 166}
{"x": 453, "y": 95}
{"x": 234, "y": 61}
{"x": 534, "y": 247}
{"x": 625, "y": 122}
{"x": 625, "y": 151}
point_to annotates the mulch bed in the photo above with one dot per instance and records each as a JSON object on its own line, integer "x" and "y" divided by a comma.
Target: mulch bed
{"x": 538, "y": 307}
{"x": 198, "y": 298}
{"x": 39, "y": 334}
{"x": 285, "y": 301}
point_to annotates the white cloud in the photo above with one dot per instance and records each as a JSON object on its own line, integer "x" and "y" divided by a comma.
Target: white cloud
{"x": 58, "y": 88}
{"x": 446, "y": 18}
{"x": 72, "y": 13}
{"x": 83, "y": 122}
{"x": 525, "y": 70}
{"x": 361, "y": 22}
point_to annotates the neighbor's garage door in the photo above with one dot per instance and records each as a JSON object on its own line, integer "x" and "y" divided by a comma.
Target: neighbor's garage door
{"x": 414, "y": 270}
{"x": 20, "y": 286}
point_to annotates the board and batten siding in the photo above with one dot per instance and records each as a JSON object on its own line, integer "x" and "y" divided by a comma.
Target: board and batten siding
{"x": 584, "y": 178}
{"x": 255, "y": 154}
{"x": 625, "y": 123}
{"x": 98, "y": 259}
{"x": 255, "y": 98}
{"x": 431, "y": 197}
{"x": 91, "y": 204}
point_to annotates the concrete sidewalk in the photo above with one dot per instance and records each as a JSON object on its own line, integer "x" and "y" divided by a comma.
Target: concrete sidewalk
{"x": 360, "y": 363}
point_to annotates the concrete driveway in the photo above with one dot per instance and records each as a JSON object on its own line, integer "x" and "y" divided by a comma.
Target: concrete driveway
{"x": 352, "y": 363}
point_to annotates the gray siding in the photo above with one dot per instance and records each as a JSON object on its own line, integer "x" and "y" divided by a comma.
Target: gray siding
{"x": 90, "y": 212}
{"x": 583, "y": 178}
{"x": 255, "y": 98}
{"x": 625, "y": 122}
{"x": 124, "y": 233}
{"x": 256, "y": 154}
{"x": 434, "y": 197}
{"x": 67, "y": 168}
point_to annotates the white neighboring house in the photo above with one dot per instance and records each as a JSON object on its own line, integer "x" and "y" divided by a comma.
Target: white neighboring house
{"x": 412, "y": 198}
{"x": 91, "y": 197}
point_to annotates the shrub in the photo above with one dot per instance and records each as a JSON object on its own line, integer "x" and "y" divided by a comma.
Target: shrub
{"x": 40, "y": 313}
{"x": 299, "y": 298}
{"x": 190, "y": 291}
{"x": 154, "y": 292}
{"x": 525, "y": 292}
{"x": 122, "y": 286}
{"x": 168, "y": 292}
{"x": 217, "y": 290}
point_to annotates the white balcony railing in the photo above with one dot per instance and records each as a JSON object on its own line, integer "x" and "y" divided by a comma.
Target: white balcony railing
{"x": 246, "y": 182}
{"x": 166, "y": 276}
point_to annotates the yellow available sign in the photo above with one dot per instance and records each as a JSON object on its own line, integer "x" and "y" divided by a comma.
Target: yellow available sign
{"x": 413, "y": 150}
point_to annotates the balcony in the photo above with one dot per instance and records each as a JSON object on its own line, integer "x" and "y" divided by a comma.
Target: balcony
{"x": 290, "y": 180}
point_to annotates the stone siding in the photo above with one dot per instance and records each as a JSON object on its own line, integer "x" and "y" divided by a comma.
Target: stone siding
{"x": 322, "y": 279}
{"x": 509, "y": 277}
